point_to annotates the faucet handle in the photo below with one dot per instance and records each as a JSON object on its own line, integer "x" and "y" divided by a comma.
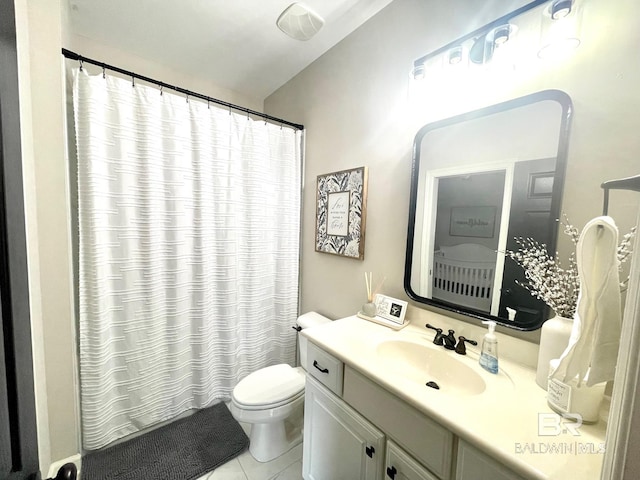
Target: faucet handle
{"x": 460, "y": 347}
{"x": 439, "y": 337}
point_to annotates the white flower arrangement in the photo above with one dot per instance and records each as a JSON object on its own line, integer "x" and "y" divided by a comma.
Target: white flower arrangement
{"x": 548, "y": 280}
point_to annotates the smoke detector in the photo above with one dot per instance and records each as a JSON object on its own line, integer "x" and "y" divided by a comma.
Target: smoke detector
{"x": 299, "y": 22}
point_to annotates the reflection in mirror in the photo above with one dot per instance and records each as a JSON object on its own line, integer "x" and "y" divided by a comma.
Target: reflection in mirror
{"x": 479, "y": 181}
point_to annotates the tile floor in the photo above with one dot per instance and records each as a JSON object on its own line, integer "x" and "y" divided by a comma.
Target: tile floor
{"x": 288, "y": 466}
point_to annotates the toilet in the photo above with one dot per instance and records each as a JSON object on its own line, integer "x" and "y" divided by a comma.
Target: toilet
{"x": 271, "y": 400}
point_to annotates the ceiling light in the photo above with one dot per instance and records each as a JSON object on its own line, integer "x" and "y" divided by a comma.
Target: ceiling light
{"x": 561, "y": 8}
{"x": 299, "y": 22}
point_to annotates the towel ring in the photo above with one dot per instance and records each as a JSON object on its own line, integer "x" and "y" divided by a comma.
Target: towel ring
{"x": 629, "y": 183}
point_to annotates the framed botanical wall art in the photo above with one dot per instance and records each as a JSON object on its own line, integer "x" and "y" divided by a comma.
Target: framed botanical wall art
{"x": 341, "y": 206}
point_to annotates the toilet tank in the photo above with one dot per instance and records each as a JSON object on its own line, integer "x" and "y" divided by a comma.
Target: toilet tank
{"x": 307, "y": 320}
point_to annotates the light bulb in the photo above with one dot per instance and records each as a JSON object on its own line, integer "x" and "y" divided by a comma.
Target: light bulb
{"x": 561, "y": 8}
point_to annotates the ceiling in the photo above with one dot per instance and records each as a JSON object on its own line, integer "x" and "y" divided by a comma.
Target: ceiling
{"x": 233, "y": 43}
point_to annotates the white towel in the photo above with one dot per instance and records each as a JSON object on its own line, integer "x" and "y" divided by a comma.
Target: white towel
{"x": 595, "y": 338}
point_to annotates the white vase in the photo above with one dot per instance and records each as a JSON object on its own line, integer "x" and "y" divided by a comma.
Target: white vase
{"x": 554, "y": 338}
{"x": 369, "y": 309}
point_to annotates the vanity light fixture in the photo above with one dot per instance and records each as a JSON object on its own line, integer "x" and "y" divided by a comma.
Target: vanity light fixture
{"x": 455, "y": 55}
{"x": 482, "y": 43}
{"x": 560, "y": 8}
{"x": 477, "y": 50}
{"x": 560, "y": 29}
{"x": 501, "y": 35}
{"x": 418, "y": 72}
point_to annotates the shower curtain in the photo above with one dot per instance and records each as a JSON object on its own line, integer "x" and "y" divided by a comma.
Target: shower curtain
{"x": 189, "y": 224}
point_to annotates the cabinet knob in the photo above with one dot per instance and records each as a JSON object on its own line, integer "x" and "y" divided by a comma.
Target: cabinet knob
{"x": 391, "y": 472}
{"x": 370, "y": 451}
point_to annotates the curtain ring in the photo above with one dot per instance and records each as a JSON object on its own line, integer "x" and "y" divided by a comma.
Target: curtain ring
{"x": 161, "y": 87}
{"x": 186, "y": 98}
{"x": 133, "y": 81}
{"x": 80, "y": 60}
{"x": 104, "y": 74}
{"x": 208, "y": 105}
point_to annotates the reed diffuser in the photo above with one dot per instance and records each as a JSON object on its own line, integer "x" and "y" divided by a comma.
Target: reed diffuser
{"x": 369, "y": 308}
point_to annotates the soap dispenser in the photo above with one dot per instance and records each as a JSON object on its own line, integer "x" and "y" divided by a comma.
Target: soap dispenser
{"x": 489, "y": 354}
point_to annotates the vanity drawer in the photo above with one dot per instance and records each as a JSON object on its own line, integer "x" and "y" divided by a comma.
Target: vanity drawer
{"x": 427, "y": 441}
{"x": 325, "y": 367}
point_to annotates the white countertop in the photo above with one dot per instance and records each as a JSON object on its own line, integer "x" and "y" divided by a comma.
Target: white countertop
{"x": 502, "y": 421}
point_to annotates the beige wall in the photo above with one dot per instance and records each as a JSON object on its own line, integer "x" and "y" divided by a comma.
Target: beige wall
{"x": 125, "y": 60}
{"x": 38, "y": 25}
{"x": 360, "y": 108}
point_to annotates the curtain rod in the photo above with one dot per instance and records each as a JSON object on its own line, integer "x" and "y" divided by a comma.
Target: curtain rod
{"x": 105, "y": 66}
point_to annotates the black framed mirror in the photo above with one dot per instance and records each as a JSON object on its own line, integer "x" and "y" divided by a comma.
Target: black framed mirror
{"x": 479, "y": 180}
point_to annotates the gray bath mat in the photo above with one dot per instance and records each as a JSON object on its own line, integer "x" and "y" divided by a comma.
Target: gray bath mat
{"x": 182, "y": 450}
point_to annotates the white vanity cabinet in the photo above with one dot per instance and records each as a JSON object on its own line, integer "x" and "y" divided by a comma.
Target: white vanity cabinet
{"x": 339, "y": 444}
{"x": 356, "y": 430}
{"x": 472, "y": 464}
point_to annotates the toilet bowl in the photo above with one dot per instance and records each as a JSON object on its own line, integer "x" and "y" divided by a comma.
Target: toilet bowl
{"x": 269, "y": 398}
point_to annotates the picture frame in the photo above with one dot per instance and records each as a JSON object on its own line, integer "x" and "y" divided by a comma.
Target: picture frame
{"x": 472, "y": 221}
{"x": 391, "y": 308}
{"x": 341, "y": 207}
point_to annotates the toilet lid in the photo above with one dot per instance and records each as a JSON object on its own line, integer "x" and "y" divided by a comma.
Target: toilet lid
{"x": 269, "y": 385}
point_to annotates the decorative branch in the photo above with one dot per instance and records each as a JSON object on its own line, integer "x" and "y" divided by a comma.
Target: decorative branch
{"x": 548, "y": 280}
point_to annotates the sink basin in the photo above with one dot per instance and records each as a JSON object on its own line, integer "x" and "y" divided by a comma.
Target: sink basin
{"x": 424, "y": 363}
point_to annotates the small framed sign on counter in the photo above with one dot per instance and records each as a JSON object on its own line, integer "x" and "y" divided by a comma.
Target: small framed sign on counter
{"x": 390, "y": 312}
{"x": 390, "y": 308}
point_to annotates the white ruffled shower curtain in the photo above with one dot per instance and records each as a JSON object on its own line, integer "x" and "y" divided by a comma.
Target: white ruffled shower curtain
{"x": 189, "y": 221}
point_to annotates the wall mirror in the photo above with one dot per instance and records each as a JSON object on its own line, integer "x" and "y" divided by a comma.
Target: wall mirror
{"x": 479, "y": 180}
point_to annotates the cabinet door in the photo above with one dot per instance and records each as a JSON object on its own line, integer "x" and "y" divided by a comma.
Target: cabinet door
{"x": 339, "y": 444}
{"x": 400, "y": 466}
{"x": 425, "y": 440}
{"x": 472, "y": 464}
